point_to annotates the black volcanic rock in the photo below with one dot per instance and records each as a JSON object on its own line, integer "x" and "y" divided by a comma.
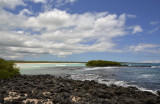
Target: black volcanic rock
{"x": 1, "y": 99}
{"x": 158, "y": 92}
{"x": 47, "y": 88}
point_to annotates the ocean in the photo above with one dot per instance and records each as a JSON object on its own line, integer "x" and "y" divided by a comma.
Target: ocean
{"x": 145, "y": 78}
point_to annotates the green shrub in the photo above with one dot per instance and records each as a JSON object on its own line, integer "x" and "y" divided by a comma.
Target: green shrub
{"x": 102, "y": 63}
{"x": 8, "y": 69}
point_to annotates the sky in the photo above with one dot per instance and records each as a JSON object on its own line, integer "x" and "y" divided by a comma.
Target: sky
{"x": 80, "y": 30}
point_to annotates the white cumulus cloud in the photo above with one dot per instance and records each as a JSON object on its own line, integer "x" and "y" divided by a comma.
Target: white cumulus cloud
{"x": 10, "y": 3}
{"x": 136, "y": 29}
{"x": 59, "y": 33}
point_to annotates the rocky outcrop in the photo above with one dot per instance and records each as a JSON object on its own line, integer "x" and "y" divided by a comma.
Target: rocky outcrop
{"x": 39, "y": 89}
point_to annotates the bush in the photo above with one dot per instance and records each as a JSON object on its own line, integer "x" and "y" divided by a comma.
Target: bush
{"x": 102, "y": 63}
{"x": 8, "y": 69}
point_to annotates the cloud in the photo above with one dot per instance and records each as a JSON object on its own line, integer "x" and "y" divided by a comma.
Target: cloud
{"x": 63, "y": 2}
{"x": 11, "y": 3}
{"x": 153, "y": 30}
{"x": 136, "y": 29}
{"x": 144, "y": 47}
{"x": 9, "y": 21}
{"x": 40, "y": 1}
{"x": 59, "y": 33}
{"x": 154, "y": 22}
{"x": 25, "y": 12}
{"x": 49, "y": 5}
{"x": 131, "y": 16}
{"x": 151, "y": 61}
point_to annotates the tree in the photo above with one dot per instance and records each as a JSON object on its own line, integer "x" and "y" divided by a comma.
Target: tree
{"x": 8, "y": 69}
{"x": 102, "y": 63}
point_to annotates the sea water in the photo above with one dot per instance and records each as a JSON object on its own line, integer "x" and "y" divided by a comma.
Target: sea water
{"x": 145, "y": 78}
{"x": 48, "y": 68}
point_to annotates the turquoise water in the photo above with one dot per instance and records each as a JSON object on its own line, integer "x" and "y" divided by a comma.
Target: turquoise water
{"x": 48, "y": 68}
{"x": 30, "y": 66}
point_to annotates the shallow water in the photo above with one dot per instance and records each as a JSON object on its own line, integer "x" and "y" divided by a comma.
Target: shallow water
{"x": 48, "y": 68}
{"x": 146, "y": 78}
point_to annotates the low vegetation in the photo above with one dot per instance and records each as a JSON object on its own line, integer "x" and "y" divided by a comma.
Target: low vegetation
{"x": 102, "y": 63}
{"x": 8, "y": 69}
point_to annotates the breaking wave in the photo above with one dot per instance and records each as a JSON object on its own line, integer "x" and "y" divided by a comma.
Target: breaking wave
{"x": 97, "y": 68}
{"x": 146, "y": 76}
{"x": 108, "y": 82}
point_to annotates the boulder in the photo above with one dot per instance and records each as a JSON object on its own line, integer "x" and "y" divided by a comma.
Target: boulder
{"x": 158, "y": 92}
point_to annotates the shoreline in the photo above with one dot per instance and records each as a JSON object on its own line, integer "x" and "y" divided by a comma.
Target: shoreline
{"x": 48, "y": 88}
{"x": 48, "y": 63}
{"x": 85, "y": 65}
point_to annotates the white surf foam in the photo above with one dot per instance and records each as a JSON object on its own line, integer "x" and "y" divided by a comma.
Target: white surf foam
{"x": 97, "y": 68}
{"x": 113, "y": 82}
{"x": 146, "y": 76}
{"x": 144, "y": 89}
{"x": 155, "y": 66}
{"x": 84, "y": 77}
{"x": 124, "y": 84}
{"x": 108, "y": 82}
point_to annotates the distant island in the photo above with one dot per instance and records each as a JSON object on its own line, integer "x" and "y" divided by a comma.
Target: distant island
{"x": 102, "y": 63}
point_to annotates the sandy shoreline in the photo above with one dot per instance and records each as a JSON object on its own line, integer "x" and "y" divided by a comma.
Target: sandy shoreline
{"x": 49, "y": 89}
{"x": 48, "y": 63}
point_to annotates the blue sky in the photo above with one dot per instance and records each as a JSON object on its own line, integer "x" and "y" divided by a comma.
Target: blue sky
{"x": 80, "y": 30}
